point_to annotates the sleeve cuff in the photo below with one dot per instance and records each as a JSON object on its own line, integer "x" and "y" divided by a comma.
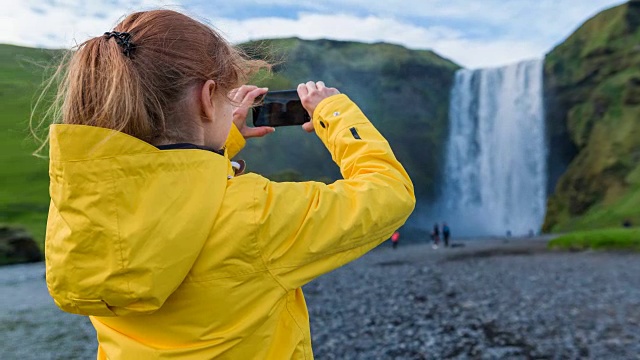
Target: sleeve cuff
{"x": 235, "y": 142}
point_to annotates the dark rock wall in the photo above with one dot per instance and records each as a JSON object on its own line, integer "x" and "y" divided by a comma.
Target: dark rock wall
{"x": 404, "y": 92}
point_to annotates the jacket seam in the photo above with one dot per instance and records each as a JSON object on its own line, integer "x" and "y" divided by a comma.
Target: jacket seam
{"x": 118, "y": 236}
{"x": 111, "y": 156}
{"x": 268, "y": 270}
{"x": 108, "y": 157}
{"x": 304, "y": 348}
{"x": 350, "y": 246}
{"x": 184, "y": 164}
{"x": 203, "y": 280}
{"x": 257, "y": 243}
{"x": 196, "y": 166}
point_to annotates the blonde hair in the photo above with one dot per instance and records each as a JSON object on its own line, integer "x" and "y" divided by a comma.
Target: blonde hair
{"x": 142, "y": 94}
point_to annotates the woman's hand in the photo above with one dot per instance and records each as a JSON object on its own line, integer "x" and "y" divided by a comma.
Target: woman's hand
{"x": 311, "y": 94}
{"x": 243, "y": 98}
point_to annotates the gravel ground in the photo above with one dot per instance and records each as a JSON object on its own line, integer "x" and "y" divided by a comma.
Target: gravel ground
{"x": 32, "y": 327}
{"x": 487, "y": 300}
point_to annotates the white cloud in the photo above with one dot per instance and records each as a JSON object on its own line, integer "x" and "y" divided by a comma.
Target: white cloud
{"x": 447, "y": 42}
{"x": 535, "y": 13}
{"x": 339, "y": 26}
{"x": 483, "y": 54}
{"x": 471, "y": 33}
{"x": 63, "y": 23}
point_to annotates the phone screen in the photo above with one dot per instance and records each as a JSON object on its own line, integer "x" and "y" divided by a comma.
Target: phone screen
{"x": 280, "y": 108}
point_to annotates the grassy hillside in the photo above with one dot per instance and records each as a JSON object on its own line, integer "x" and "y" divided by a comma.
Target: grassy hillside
{"x": 23, "y": 178}
{"x": 593, "y": 79}
{"x": 404, "y": 92}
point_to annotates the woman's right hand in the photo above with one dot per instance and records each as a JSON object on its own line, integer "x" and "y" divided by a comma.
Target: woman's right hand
{"x": 243, "y": 98}
{"x": 311, "y": 94}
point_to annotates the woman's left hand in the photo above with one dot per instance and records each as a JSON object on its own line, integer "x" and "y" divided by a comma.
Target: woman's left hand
{"x": 243, "y": 98}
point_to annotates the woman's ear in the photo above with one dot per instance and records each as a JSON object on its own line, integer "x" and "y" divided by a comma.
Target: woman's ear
{"x": 206, "y": 100}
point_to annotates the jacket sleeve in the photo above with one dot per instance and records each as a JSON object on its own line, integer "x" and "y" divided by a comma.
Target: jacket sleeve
{"x": 235, "y": 142}
{"x": 307, "y": 229}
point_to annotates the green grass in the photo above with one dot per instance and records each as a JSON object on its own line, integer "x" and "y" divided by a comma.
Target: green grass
{"x": 605, "y": 216}
{"x": 24, "y": 180}
{"x": 604, "y": 239}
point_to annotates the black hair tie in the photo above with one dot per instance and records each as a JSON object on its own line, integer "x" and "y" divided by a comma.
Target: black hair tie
{"x": 124, "y": 40}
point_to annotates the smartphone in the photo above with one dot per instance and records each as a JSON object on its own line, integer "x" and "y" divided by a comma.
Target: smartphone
{"x": 280, "y": 108}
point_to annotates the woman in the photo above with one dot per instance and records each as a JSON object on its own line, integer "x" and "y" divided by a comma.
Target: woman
{"x": 150, "y": 232}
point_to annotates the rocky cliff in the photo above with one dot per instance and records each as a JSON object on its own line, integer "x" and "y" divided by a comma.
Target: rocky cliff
{"x": 592, "y": 90}
{"x": 404, "y": 92}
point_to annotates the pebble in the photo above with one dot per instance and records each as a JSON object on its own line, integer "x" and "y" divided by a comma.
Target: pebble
{"x": 447, "y": 304}
{"x": 409, "y": 303}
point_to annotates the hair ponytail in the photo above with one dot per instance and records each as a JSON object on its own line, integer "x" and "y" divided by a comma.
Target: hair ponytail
{"x": 141, "y": 93}
{"x": 102, "y": 88}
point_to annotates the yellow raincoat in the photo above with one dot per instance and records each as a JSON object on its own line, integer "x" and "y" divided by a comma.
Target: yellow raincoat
{"x": 174, "y": 258}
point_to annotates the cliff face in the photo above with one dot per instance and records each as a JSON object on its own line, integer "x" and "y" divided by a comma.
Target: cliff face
{"x": 592, "y": 85}
{"x": 404, "y": 92}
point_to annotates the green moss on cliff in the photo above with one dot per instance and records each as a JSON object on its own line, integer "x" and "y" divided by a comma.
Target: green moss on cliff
{"x": 594, "y": 77}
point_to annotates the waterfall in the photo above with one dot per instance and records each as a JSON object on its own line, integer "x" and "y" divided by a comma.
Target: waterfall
{"x": 495, "y": 171}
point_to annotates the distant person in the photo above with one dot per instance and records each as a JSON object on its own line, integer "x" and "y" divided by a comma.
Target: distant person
{"x": 153, "y": 235}
{"x": 435, "y": 235}
{"x": 446, "y": 233}
{"x": 395, "y": 239}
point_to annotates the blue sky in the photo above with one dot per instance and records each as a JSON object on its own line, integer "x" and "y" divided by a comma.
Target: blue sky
{"x": 474, "y": 34}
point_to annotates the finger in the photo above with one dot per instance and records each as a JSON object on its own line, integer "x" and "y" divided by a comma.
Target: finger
{"x": 334, "y": 91}
{"x": 232, "y": 94}
{"x": 311, "y": 86}
{"x": 240, "y": 114}
{"x": 320, "y": 85}
{"x": 308, "y": 127}
{"x": 261, "y": 131}
{"x": 236, "y": 95}
{"x": 242, "y": 108}
{"x": 302, "y": 90}
{"x": 241, "y": 92}
{"x": 251, "y": 96}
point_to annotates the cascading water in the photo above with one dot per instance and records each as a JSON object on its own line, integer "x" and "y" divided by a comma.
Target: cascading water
{"x": 495, "y": 172}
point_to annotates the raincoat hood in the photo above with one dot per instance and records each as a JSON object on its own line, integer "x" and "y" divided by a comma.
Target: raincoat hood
{"x": 126, "y": 220}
